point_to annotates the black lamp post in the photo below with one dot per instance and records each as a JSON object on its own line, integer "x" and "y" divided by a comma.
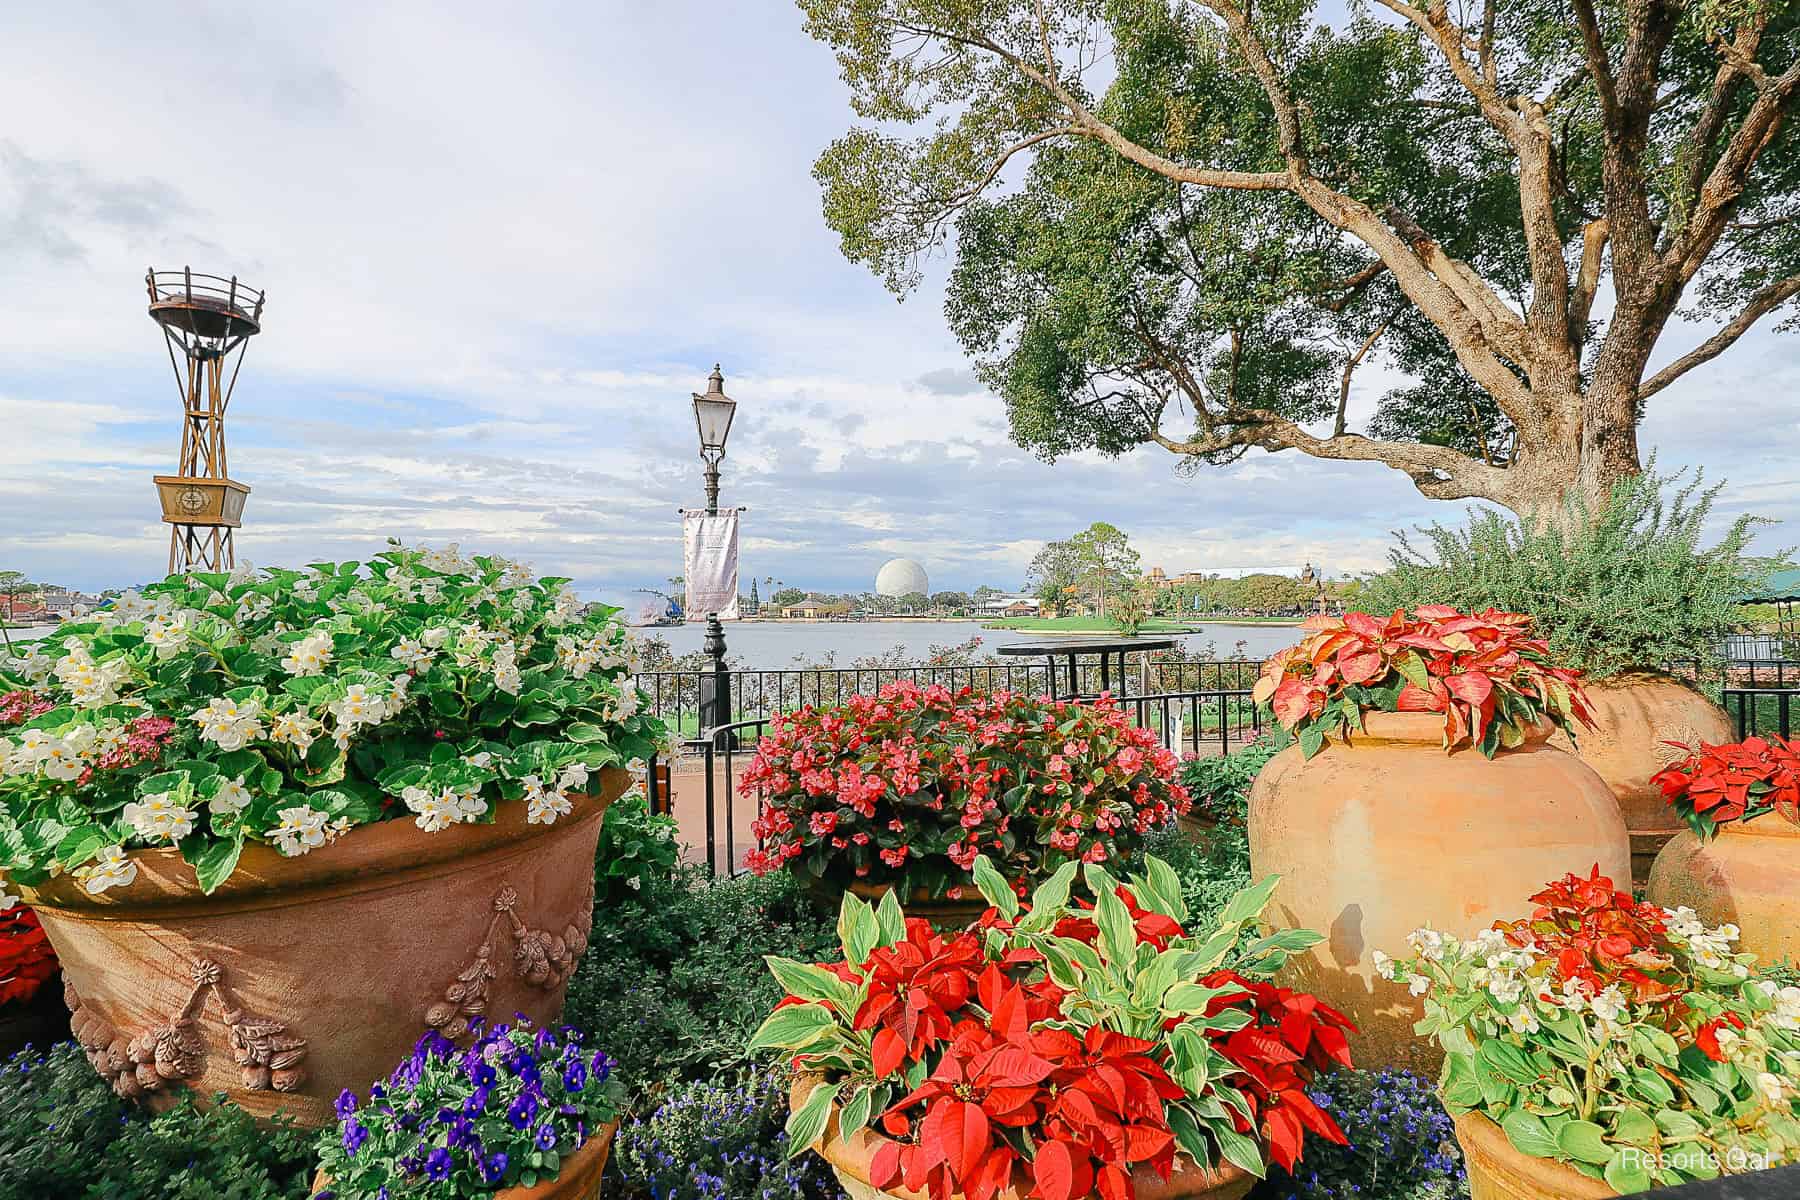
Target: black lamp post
{"x": 712, "y": 418}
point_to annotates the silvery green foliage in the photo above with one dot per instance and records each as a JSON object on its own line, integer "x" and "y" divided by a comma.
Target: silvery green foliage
{"x": 1631, "y": 586}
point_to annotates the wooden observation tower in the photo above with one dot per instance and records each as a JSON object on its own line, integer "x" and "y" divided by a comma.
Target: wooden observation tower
{"x": 206, "y": 321}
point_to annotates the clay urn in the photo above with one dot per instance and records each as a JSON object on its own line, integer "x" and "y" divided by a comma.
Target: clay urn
{"x": 1385, "y": 832}
{"x": 1636, "y": 716}
{"x": 579, "y": 1178}
{"x": 299, "y": 977}
{"x": 1498, "y": 1170}
{"x": 1748, "y": 876}
{"x": 852, "y": 1157}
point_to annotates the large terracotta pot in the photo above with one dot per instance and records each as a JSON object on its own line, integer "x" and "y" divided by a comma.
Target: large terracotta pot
{"x": 942, "y": 912}
{"x": 579, "y": 1178}
{"x": 1500, "y": 1171}
{"x": 300, "y": 977}
{"x": 1382, "y": 834}
{"x": 851, "y": 1159}
{"x": 1636, "y": 716}
{"x": 1749, "y": 875}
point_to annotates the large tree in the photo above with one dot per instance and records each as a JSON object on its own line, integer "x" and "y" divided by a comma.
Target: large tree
{"x": 1093, "y": 564}
{"x": 1227, "y": 208}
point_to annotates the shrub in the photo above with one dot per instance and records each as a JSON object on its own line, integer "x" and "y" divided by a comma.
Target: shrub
{"x": 1219, "y": 784}
{"x": 1402, "y": 1144}
{"x": 673, "y": 976}
{"x": 1485, "y": 672}
{"x": 636, "y": 848}
{"x": 1626, "y": 588}
{"x": 906, "y": 787}
{"x": 64, "y": 1134}
{"x": 288, "y": 706}
{"x": 717, "y": 1140}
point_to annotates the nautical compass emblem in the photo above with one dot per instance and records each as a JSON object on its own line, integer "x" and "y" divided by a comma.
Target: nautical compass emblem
{"x": 192, "y": 500}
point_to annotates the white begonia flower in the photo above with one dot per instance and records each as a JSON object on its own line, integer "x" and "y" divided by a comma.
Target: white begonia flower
{"x": 294, "y": 729}
{"x": 436, "y": 810}
{"x": 1684, "y": 922}
{"x": 229, "y": 724}
{"x": 232, "y": 797}
{"x": 431, "y": 591}
{"x": 1418, "y": 985}
{"x": 308, "y": 656}
{"x": 34, "y": 665}
{"x": 132, "y": 607}
{"x": 7, "y": 899}
{"x": 302, "y": 829}
{"x": 1772, "y": 1086}
{"x": 253, "y": 608}
{"x": 158, "y": 818}
{"x": 573, "y": 778}
{"x": 1428, "y": 943}
{"x": 543, "y": 806}
{"x": 1787, "y": 1007}
{"x": 1506, "y": 988}
{"x": 412, "y": 653}
{"x": 61, "y": 761}
{"x": 359, "y": 707}
{"x": 398, "y": 687}
{"x": 481, "y": 758}
{"x": 90, "y": 684}
{"x": 469, "y": 804}
{"x": 567, "y": 606}
{"x": 1728, "y": 1039}
{"x": 506, "y": 668}
{"x": 1523, "y": 1019}
{"x": 111, "y": 869}
{"x": 167, "y": 635}
{"x": 435, "y": 637}
{"x": 1609, "y": 1004}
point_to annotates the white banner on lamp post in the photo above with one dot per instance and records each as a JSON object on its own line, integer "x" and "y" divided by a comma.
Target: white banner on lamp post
{"x": 710, "y": 545}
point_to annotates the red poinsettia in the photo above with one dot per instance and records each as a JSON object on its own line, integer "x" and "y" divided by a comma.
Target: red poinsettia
{"x": 1484, "y": 671}
{"x": 914, "y": 987}
{"x": 1738, "y": 781}
{"x": 26, "y": 958}
{"x": 1598, "y": 935}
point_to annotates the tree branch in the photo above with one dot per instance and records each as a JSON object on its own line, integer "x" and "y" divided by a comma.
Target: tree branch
{"x": 1764, "y": 302}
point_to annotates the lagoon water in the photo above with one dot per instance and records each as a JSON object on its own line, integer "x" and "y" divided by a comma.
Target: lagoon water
{"x": 776, "y": 644}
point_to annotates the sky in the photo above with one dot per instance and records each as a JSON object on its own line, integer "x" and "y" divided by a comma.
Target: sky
{"x": 503, "y": 244}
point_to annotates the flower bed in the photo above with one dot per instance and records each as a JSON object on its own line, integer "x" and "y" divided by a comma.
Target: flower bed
{"x": 1058, "y": 1046}
{"x": 1628, "y": 1042}
{"x": 908, "y": 786}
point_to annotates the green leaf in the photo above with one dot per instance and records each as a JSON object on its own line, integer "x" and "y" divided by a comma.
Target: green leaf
{"x": 995, "y": 889}
{"x": 808, "y": 982}
{"x": 1312, "y": 740}
{"x": 792, "y": 1028}
{"x": 891, "y": 919}
{"x": 807, "y": 1122}
{"x": 1164, "y": 889}
{"x": 1529, "y": 1135}
{"x": 1627, "y": 1171}
{"x": 858, "y": 931}
{"x": 1118, "y": 936}
{"x": 1412, "y": 669}
{"x": 856, "y": 1111}
{"x": 213, "y": 858}
{"x": 1249, "y": 903}
{"x": 1241, "y": 1150}
{"x": 1584, "y": 1141}
{"x": 1509, "y": 1061}
{"x": 83, "y": 843}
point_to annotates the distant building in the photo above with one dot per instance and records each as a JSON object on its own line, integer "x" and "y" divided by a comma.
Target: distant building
{"x": 901, "y": 577}
{"x": 1011, "y": 606}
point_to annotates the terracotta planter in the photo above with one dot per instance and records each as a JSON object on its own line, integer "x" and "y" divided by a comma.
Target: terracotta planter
{"x": 850, "y": 1159}
{"x": 1500, "y": 1171}
{"x": 300, "y": 977}
{"x": 1378, "y": 836}
{"x": 1748, "y": 875}
{"x": 1636, "y": 716}
{"x": 943, "y": 913}
{"x": 579, "y": 1178}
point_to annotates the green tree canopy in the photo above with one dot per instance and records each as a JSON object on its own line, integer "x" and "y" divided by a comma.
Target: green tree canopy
{"x": 1225, "y": 211}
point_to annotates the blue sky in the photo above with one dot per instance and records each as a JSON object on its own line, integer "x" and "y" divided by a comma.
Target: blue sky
{"x": 503, "y": 244}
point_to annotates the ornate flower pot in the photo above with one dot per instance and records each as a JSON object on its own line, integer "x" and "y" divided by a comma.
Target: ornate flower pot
{"x": 1749, "y": 875}
{"x": 850, "y": 1159}
{"x": 1500, "y": 1171}
{"x": 579, "y": 1178}
{"x": 943, "y": 912}
{"x": 1384, "y": 834}
{"x": 300, "y": 977}
{"x": 1635, "y": 717}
